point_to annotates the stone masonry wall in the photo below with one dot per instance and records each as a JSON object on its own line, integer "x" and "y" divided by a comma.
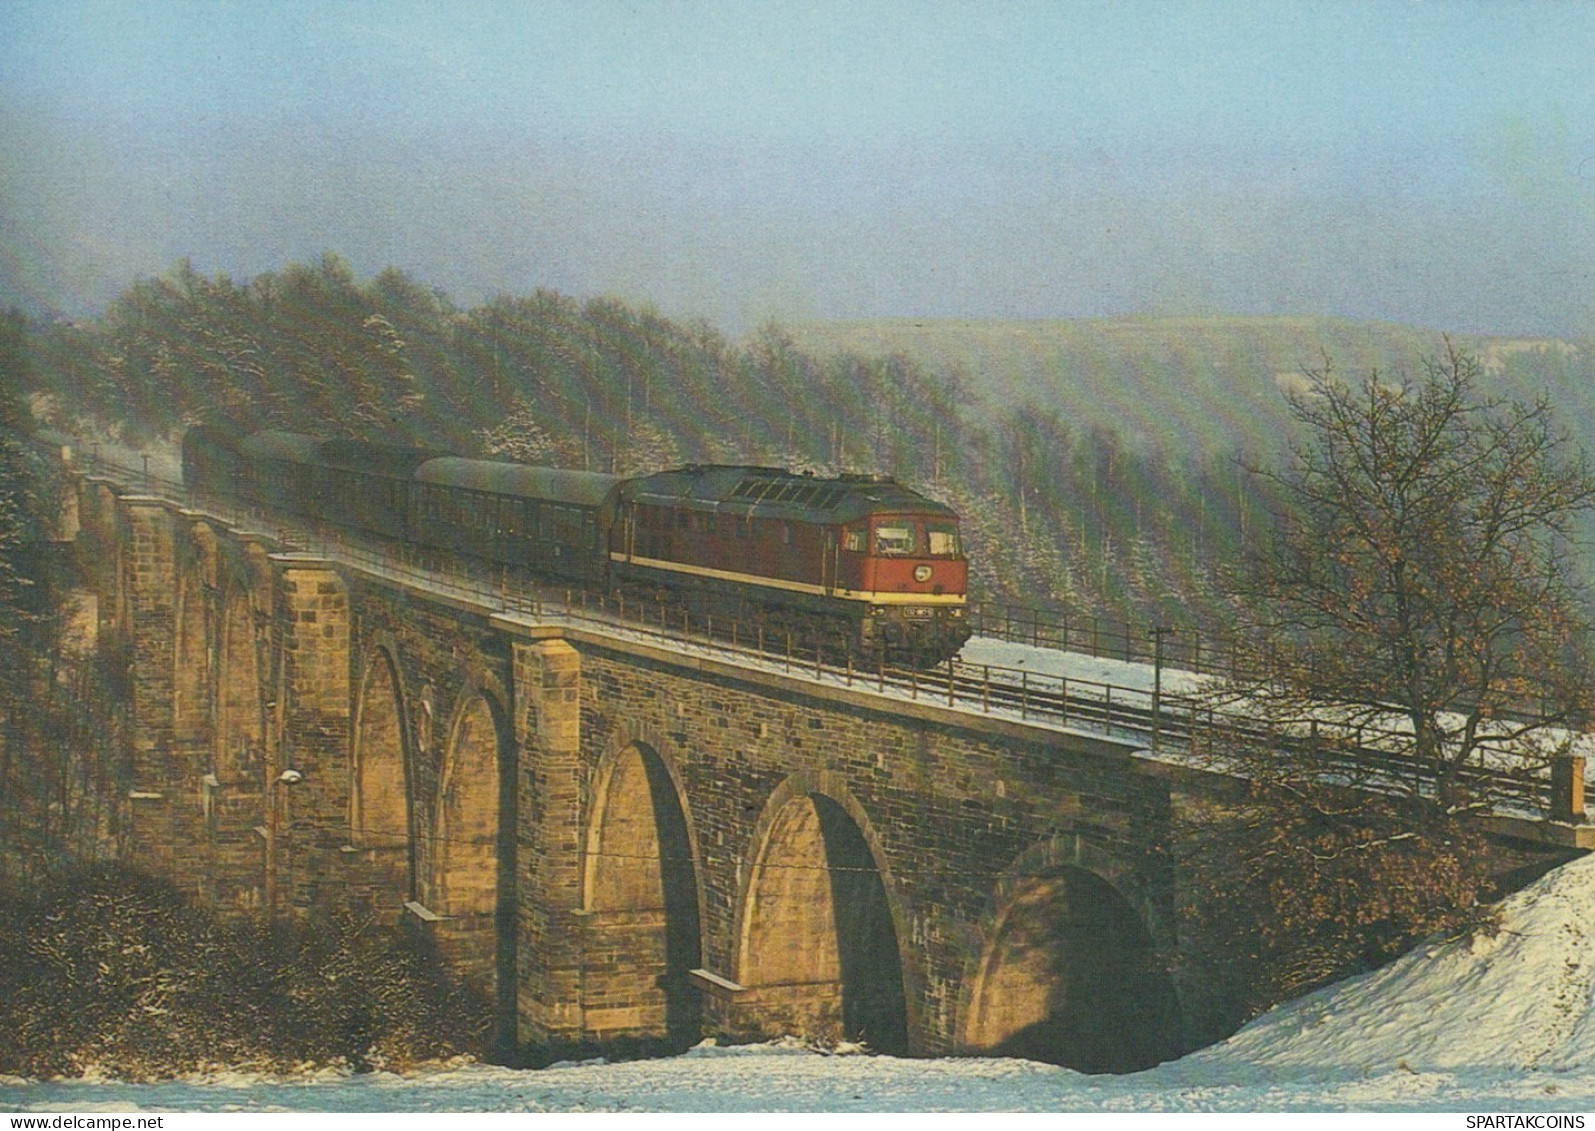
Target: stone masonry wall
{"x": 947, "y": 812}
{"x": 948, "y": 807}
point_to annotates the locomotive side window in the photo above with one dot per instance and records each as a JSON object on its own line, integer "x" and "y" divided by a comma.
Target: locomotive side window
{"x": 941, "y": 540}
{"x": 895, "y": 539}
{"x": 853, "y": 540}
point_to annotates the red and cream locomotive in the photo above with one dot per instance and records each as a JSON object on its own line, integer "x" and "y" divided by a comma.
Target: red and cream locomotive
{"x": 859, "y": 562}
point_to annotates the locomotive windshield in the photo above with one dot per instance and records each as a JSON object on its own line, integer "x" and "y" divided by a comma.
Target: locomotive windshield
{"x": 941, "y": 539}
{"x": 899, "y": 537}
{"x": 896, "y": 538}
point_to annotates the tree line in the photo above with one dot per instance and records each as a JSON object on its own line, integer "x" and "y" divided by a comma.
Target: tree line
{"x": 1057, "y": 513}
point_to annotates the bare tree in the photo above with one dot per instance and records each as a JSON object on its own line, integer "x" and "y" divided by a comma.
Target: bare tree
{"x": 1420, "y": 580}
{"x": 1418, "y": 652}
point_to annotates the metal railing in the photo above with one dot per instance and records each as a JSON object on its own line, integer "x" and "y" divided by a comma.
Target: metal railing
{"x": 1109, "y": 638}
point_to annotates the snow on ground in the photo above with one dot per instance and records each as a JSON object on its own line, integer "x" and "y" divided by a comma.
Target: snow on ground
{"x": 1392, "y": 729}
{"x": 1467, "y": 1025}
{"x": 1075, "y": 665}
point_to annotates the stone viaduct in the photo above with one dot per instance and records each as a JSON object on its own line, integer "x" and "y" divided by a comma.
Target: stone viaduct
{"x": 617, "y": 841}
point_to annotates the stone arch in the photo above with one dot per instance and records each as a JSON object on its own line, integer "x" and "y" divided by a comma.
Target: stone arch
{"x": 240, "y": 706}
{"x": 471, "y": 863}
{"x": 192, "y": 638}
{"x": 1072, "y": 972}
{"x": 380, "y": 819}
{"x": 206, "y": 558}
{"x": 819, "y": 936}
{"x": 641, "y": 893}
{"x": 115, "y": 587}
{"x": 257, "y": 573}
{"x": 474, "y": 807}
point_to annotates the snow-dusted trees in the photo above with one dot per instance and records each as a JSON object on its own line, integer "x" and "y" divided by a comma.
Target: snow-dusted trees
{"x": 600, "y": 384}
{"x": 19, "y": 508}
{"x": 55, "y": 752}
{"x": 108, "y": 966}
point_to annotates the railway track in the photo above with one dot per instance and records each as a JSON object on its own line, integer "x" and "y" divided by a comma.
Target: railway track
{"x": 1174, "y": 725}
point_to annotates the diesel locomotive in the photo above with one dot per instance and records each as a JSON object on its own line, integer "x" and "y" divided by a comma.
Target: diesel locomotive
{"x": 858, "y": 563}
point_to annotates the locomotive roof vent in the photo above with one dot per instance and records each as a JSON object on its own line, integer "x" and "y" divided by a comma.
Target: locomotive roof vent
{"x": 794, "y": 490}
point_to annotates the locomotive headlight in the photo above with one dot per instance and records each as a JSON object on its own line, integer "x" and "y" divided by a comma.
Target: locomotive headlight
{"x": 922, "y": 573}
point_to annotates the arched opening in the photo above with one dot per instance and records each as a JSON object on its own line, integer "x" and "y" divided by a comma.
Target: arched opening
{"x": 642, "y": 895}
{"x": 466, "y": 855}
{"x": 819, "y": 944}
{"x": 379, "y": 817}
{"x": 110, "y": 563}
{"x": 1071, "y": 977}
{"x": 472, "y": 860}
{"x": 191, "y": 697}
{"x": 239, "y": 858}
{"x": 239, "y": 722}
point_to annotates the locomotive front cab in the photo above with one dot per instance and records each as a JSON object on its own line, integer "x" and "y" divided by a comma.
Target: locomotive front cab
{"x": 892, "y": 556}
{"x": 911, "y": 571}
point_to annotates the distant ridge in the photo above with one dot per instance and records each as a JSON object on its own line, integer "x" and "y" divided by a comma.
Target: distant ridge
{"x": 1201, "y": 381}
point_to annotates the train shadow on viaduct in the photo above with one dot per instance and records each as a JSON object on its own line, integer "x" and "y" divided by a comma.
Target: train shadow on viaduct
{"x": 620, "y": 843}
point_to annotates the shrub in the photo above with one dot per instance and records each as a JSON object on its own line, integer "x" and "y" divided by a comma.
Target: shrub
{"x": 111, "y": 970}
{"x": 1290, "y": 892}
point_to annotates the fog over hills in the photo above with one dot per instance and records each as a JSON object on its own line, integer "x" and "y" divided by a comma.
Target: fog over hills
{"x": 1202, "y": 382}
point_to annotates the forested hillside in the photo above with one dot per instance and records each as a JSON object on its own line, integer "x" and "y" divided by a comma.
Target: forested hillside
{"x": 1063, "y": 502}
{"x": 1203, "y": 383}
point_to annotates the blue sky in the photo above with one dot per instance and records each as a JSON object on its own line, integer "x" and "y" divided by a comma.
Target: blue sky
{"x": 1431, "y": 163}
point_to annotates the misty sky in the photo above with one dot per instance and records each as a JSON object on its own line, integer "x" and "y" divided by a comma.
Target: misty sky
{"x": 1430, "y": 163}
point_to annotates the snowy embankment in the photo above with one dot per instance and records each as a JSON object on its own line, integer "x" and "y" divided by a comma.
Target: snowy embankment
{"x": 1466, "y": 1025}
{"x": 1075, "y": 665}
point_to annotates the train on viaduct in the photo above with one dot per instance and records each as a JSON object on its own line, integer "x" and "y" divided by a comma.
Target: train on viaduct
{"x": 618, "y": 838}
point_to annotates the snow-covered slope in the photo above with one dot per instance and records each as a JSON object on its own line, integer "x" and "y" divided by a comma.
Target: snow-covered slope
{"x": 1520, "y": 1000}
{"x": 1465, "y": 1025}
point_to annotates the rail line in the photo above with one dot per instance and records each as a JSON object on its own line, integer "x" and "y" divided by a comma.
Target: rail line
{"x": 1173, "y": 725}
